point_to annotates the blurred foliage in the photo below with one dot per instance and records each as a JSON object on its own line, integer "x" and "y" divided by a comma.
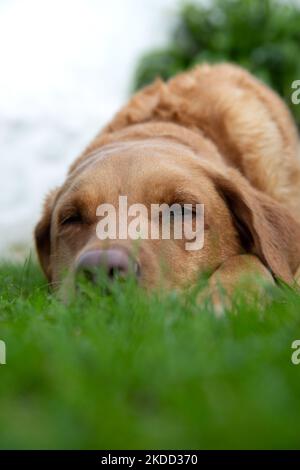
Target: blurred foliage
{"x": 261, "y": 35}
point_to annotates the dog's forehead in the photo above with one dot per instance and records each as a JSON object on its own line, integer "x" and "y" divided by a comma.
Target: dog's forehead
{"x": 133, "y": 159}
{"x": 135, "y": 149}
{"x": 143, "y": 171}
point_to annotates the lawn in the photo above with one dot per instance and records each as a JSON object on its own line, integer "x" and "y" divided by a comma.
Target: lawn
{"x": 131, "y": 371}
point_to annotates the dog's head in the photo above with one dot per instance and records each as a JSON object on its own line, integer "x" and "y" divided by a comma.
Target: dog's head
{"x": 236, "y": 219}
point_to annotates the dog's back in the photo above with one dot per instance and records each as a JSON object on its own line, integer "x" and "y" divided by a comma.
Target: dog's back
{"x": 248, "y": 123}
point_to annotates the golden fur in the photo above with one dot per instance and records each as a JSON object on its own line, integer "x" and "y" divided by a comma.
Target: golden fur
{"x": 216, "y": 133}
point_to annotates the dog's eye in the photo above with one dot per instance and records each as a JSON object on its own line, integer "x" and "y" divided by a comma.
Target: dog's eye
{"x": 71, "y": 219}
{"x": 184, "y": 210}
{"x": 189, "y": 209}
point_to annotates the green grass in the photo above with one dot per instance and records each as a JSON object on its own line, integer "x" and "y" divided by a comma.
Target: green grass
{"x": 131, "y": 371}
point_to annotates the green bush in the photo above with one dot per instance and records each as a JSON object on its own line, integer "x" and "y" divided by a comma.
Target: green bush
{"x": 260, "y": 35}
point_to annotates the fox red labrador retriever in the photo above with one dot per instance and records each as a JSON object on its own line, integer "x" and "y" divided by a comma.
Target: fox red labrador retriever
{"x": 214, "y": 136}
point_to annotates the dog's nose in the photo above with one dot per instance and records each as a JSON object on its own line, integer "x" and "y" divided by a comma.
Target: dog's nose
{"x": 114, "y": 262}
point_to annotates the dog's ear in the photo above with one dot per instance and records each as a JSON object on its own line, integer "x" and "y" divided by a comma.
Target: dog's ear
{"x": 266, "y": 227}
{"x": 42, "y": 235}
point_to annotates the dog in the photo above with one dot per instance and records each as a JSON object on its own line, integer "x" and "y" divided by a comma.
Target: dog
{"x": 214, "y": 135}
